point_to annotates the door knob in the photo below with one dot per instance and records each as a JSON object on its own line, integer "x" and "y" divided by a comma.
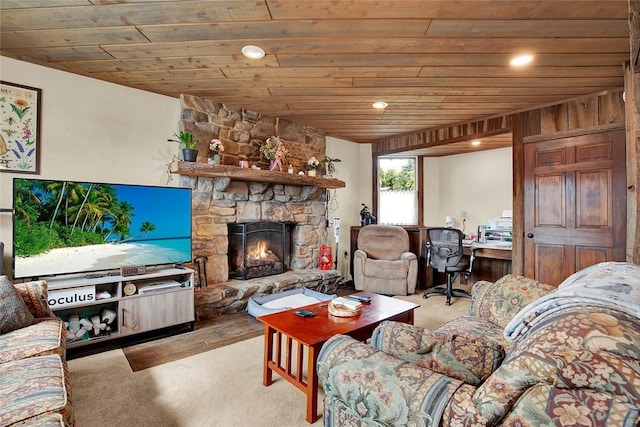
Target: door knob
{"x": 530, "y": 235}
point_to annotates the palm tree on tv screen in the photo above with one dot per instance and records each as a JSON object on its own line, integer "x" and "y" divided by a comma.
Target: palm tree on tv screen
{"x": 52, "y": 214}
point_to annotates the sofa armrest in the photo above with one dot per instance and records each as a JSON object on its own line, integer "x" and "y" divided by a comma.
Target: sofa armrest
{"x": 359, "y": 259}
{"x": 378, "y": 388}
{"x": 359, "y": 253}
{"x": 408, "y": 256}
{"x": 411, "y": 261}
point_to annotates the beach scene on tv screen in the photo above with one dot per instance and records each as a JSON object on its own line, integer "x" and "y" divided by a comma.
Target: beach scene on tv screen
{"x": 63, "y": 227}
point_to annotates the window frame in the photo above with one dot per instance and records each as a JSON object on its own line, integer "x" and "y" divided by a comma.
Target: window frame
{"x": 419, "y": 182}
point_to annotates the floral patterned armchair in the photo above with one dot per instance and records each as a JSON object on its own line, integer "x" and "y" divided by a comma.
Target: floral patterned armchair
{"x": 568, "y": 357}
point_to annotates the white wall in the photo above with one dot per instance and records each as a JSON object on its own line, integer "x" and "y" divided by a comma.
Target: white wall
{"x": 93, "y": 130}
{"x": 479, "y": 183}
{"x": 346, "y": 204}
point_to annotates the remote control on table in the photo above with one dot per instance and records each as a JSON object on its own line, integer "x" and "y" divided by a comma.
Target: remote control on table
{"x": 359, "y": 298}
{"x": 304, "y": 313}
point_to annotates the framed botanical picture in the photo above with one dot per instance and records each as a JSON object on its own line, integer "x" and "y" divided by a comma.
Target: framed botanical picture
{"x": 19, "y": 128}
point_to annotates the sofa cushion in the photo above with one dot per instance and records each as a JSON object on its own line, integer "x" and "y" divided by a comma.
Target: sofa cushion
{"x": 461, "y": 356}
{"x": 385, "y": 269}
{"x": 35, "y": 296}
{"x": 32, "y": 387}
{"x": 585, "y": 348}
{"x": 477, "y": 327}
{"x": 14, "y": 313}
{"x": 577, "y": 407}
{"x": 465, "y": 358}
{"x": 379, "y": 388}
{"x": 500, "y": 301}
{"x": 45, "y": 336}
{"x": 461, "y": 411}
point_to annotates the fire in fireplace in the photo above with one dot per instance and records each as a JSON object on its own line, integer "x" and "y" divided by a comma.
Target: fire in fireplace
{"x": 258, "y": 249}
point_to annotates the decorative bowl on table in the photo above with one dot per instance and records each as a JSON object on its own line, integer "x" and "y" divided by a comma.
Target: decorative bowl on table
{"x": 343, "y": 307}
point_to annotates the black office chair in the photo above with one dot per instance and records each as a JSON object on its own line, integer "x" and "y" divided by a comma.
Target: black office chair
{"x": 445, "y": 256}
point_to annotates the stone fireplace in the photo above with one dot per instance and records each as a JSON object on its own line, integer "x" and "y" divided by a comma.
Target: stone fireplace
{"x": 220, "y": 203}
{"x": 225, "y": 195}
{"x": 217, "y": 203}
{"x": 259, "y": 249}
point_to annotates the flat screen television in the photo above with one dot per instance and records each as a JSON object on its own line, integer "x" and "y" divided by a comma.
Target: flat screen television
{"x": 67, "y": 227}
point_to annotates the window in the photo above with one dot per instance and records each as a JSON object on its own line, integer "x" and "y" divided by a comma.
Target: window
{"x": 397, "y": 191}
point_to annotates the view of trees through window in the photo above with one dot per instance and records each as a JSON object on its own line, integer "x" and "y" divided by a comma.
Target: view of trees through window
{"x": 397, "y": 191}
{"x": 397, "y": 174}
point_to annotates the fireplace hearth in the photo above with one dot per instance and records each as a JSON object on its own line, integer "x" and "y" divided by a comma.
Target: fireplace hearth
{"x": 258, "y": 249}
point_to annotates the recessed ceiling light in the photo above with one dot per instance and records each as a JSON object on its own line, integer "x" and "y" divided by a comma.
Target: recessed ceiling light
{"x": 476, "y": 142}
{"x": 521, "y": 60}
{"x": 253, "y": 52}
{"x": 380, "y": 105}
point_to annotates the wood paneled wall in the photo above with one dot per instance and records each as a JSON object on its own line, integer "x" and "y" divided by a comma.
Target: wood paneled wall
{"x": 598, "y": 112}
{"x": 632, "y": 90}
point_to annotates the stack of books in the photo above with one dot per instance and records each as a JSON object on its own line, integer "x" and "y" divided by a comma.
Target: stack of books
{"x": 343, "y": 307}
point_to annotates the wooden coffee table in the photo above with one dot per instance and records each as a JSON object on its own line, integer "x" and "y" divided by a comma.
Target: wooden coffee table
{"x": 283, "y": 328}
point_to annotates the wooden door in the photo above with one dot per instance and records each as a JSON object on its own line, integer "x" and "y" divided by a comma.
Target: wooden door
{"x": 574, "y": 204}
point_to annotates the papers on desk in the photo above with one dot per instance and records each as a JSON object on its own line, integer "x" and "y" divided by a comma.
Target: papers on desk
{"x": 500, "y": 244}
{"x": 492, "y": 245}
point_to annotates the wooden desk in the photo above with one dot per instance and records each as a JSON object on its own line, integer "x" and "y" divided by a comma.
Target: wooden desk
{"x": 491, "y": 263}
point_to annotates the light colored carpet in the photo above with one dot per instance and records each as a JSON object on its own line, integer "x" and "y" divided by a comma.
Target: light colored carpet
{"x": 433, "y": 312}
{"x": 221, "y": 387}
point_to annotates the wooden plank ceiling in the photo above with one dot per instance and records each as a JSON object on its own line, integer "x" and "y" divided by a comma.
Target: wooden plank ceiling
{"x": 436, "y": 62}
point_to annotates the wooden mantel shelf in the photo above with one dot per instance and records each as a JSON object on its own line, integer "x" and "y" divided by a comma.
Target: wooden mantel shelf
{"x": 252, "y": 175}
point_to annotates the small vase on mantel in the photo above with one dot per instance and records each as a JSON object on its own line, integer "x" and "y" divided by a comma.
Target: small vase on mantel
{"x": 311, "y": 172}
{"x": 275, "y": 165}
{"x": 214, "y": 159}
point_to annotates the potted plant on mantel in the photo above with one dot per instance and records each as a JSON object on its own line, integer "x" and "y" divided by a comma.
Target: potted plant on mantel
{"x": 188, "y": 143}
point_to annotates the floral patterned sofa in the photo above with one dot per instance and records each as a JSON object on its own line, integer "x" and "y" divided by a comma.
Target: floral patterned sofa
{"x": 527, "y": 355}
{"x": 34, "y": 380}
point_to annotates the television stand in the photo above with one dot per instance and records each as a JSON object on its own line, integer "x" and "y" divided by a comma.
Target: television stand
{"x": 112, "y": 307}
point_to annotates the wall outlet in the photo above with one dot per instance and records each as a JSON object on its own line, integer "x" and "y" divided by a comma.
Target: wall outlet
{"x": 463, "y": 215}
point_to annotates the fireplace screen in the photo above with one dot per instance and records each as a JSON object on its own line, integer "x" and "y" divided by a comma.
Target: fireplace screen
{"x": 258, "y": 249}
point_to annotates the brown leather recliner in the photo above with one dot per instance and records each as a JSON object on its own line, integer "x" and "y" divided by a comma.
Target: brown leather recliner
{"x": 382, "y": 263}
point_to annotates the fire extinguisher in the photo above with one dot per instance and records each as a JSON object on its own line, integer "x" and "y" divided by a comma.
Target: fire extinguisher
{"x": 325, "y": 257}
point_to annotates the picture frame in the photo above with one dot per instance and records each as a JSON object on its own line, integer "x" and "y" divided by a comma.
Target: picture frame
{"x": 20, "y": 108}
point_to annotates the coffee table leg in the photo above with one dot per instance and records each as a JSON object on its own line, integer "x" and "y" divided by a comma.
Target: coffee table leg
{"x": 267, "y": 375}
{"x": 312, "y": 386}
